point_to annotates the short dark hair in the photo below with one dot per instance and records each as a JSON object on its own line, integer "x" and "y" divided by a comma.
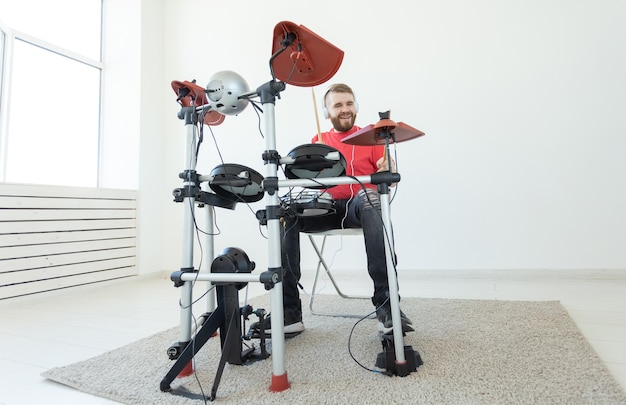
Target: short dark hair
{"x": 338, "y": 88}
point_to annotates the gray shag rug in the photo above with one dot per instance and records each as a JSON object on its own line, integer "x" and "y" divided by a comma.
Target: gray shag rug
{"x": 474, "y": 352}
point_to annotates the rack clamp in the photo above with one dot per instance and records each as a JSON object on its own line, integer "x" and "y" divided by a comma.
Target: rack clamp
{"x": 176, "y": 276}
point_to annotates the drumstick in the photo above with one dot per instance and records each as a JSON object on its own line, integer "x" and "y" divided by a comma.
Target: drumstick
{"x": 386, "y": 160}
{"x": 317, "y": 119}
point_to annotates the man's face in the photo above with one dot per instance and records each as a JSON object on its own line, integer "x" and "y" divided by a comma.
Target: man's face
{"x": 341, "y": 110}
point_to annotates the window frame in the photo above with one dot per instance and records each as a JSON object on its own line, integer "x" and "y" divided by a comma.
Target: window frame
{"x": 7, "y": 44}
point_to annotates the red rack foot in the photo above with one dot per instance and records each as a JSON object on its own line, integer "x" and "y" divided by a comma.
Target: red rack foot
{"x": 279, "y": 383}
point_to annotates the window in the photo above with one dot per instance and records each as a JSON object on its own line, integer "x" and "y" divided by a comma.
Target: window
{"x": 50, "y": 92}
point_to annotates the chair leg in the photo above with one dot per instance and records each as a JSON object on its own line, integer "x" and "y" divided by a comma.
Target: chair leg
{"x": 322, "y": 263}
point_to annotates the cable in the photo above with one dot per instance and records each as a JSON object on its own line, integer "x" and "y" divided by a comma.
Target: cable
{"x": 388, "y": 238}
{"x": 257, "y": 110}
{"x": 193, "y": 358}
{"x": 219, "y": 231}
{"x": 193, "y": 302}
{"x": 350, "y": 343}
{"x": 351, "y": 189}
{"x": 221, "y": 158}
{"x": 395, "y": 154}
{"x": 295, "y": 62}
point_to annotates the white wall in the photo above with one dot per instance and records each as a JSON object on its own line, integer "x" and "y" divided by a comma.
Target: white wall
{"x": 120, "y": 127}
{"x": 522, "y": 103}
{"x": 133, "y": 138}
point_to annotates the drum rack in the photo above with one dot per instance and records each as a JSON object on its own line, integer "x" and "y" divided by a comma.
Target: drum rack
{"x": 225, "y": 273}
{"x": 400, "y": 362}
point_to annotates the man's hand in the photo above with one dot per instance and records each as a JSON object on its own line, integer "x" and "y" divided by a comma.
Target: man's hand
{"x": 382, "y": 164}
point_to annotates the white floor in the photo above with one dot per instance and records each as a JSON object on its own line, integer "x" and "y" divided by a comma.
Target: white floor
{"x": 54, "y": 329}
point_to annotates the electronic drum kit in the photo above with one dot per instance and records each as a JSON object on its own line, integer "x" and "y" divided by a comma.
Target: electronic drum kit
{"x": 310, "y": 169}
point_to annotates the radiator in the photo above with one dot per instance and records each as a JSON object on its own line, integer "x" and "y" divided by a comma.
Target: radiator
{"x": 61, "y": 237}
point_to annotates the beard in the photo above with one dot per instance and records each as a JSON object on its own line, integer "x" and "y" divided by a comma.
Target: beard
{"x": 343, "y": 125}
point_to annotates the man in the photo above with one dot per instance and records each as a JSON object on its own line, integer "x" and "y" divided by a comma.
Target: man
{"x": 356, "y": 207}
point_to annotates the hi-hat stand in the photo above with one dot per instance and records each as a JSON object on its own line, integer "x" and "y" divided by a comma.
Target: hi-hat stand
{"x": 405, "y": 360}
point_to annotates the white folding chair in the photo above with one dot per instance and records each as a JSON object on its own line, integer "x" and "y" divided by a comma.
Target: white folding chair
{"x": 319, "y": 250}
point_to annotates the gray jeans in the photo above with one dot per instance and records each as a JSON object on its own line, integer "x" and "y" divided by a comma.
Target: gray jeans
{"x": 363, "y": 211}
